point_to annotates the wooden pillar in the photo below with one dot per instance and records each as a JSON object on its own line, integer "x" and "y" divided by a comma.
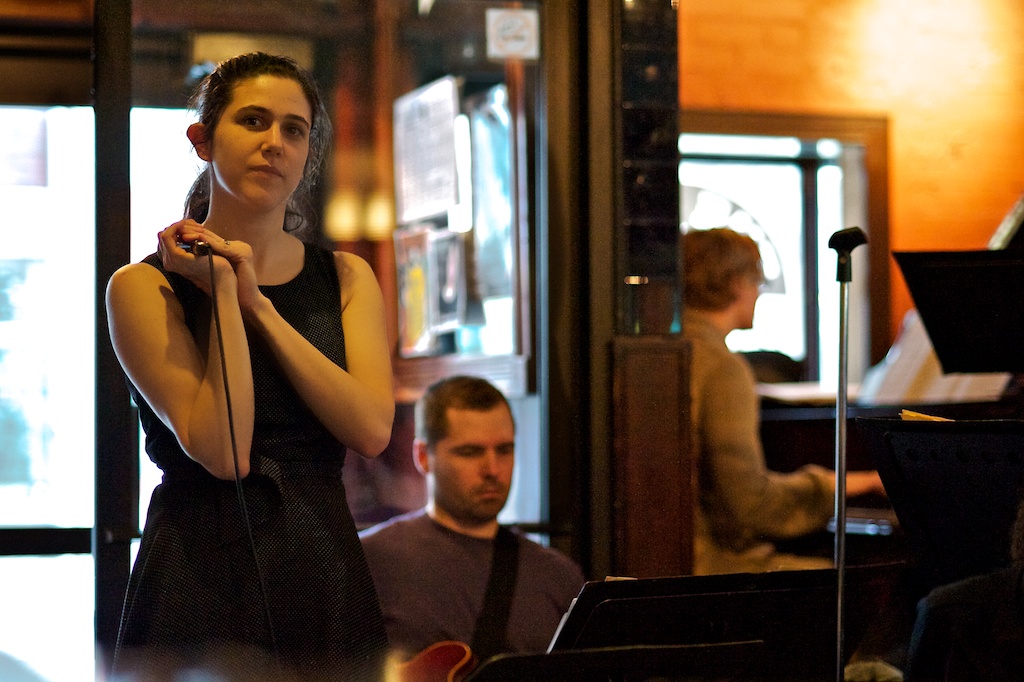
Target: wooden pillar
{"x": 654, "y": 491}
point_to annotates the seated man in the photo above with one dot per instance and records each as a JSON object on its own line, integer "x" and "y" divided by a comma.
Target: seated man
{"x": 742, "y": 505}
{"x": 973, "y": 629}
{"x": 432, "y": 567}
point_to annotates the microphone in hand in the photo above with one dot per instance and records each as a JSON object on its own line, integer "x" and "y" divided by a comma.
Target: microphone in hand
{"x": 197, "y": 247}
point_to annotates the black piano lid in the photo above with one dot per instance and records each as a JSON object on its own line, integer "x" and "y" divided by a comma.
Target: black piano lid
{"x": 972, "y": 306}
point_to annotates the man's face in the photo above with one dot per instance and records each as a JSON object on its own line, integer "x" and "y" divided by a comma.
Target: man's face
{"x": 472, "y": 465}
{"x": 747, "y": 292}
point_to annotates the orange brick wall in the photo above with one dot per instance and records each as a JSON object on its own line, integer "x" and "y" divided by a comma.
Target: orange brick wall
{"x": 948, "y": 74}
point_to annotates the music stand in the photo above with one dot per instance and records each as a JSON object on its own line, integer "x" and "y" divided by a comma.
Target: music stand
{"x": 791, "y": 612}
{"x": 727, "y": 662}
{"x": 954, "y": 486}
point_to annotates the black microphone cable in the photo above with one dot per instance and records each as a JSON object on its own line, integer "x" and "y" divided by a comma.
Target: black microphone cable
{"x": 200, "y": 248}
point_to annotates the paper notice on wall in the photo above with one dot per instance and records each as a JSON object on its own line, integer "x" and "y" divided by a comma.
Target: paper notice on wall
{"x": 424, "y": 147}
{"x": 513, "y": 34}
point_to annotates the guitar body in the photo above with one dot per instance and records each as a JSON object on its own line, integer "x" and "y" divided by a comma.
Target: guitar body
{"x": 447, "y": 661}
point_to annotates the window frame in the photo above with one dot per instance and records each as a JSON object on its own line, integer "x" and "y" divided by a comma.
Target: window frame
{"x": 871, "y": 132}
{"x": 808, "y": 164}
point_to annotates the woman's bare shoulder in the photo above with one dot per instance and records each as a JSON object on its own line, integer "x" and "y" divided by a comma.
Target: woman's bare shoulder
{"x": 356, "y": 276}
{"x": 133, "y": 275}
{"x": 346, "y": 260}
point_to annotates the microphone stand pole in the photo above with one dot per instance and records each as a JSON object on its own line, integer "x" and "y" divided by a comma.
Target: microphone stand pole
{"x": 844, "y": 242}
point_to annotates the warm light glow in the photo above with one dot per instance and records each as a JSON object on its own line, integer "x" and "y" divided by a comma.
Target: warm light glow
{"x": 216, "y": 47}
{"x": 341, "y": 218}
{"x": 918, "y": 52}
{"x": 380, "y": 216}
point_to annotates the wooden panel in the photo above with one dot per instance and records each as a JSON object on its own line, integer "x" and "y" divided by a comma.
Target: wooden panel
{"x": 73, "y": 12}
{"x": 309, "y": 18}
{"x": 654, "y": 473}
{"x": 414, "y": 375}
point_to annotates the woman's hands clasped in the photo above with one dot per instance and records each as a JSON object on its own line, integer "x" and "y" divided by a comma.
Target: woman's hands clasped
{"x": 231, "y": 258}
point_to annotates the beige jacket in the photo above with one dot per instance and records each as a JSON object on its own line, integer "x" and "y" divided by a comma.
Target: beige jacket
{"x": 743, "y": 506}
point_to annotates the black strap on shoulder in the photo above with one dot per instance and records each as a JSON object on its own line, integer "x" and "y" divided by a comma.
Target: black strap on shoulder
{"x": 489, "y": 637}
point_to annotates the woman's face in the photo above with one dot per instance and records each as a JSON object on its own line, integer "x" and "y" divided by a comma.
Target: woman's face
{"x": 258, "y": 152}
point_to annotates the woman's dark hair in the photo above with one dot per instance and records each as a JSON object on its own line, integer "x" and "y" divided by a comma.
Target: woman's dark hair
{"x": 212, "y": 97}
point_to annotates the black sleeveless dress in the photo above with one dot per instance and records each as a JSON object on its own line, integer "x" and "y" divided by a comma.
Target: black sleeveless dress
{"x": 195, "y": 595}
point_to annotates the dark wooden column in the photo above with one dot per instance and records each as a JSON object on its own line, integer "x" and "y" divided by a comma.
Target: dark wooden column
{"x": 117, "y": 459}
{"x": 655, "y": 477}
{"x": 652, "y": 473}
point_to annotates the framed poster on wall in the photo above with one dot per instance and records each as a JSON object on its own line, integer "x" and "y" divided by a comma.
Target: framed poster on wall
{"x": 431, "y": 286}
{"x": 413, "y": 266}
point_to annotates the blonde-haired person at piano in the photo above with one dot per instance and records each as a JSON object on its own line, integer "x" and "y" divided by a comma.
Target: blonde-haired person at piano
{"x": 743, "y": 506}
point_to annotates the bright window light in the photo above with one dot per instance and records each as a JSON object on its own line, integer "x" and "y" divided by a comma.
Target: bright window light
{"x": 740, "y": 145}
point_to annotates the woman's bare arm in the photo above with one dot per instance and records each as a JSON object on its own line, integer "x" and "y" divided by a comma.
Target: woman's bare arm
{"x": 180, "y": 380}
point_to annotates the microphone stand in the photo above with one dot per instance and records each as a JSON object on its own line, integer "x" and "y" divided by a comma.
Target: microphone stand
{"x": 844, "y": 242}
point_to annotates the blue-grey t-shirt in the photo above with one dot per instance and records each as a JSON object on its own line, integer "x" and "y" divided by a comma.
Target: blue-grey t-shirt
{"x": 431, "y": 583}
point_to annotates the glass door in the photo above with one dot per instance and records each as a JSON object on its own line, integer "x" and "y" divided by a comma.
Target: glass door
{"x": 47, "y": 379}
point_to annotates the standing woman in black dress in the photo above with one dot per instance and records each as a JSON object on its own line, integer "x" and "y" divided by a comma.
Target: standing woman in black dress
{"x": 250, "y": 563}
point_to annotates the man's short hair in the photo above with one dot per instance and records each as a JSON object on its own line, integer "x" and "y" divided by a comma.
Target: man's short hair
{"x": 459, "y": 392}
{"x": 714, "y": 261}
